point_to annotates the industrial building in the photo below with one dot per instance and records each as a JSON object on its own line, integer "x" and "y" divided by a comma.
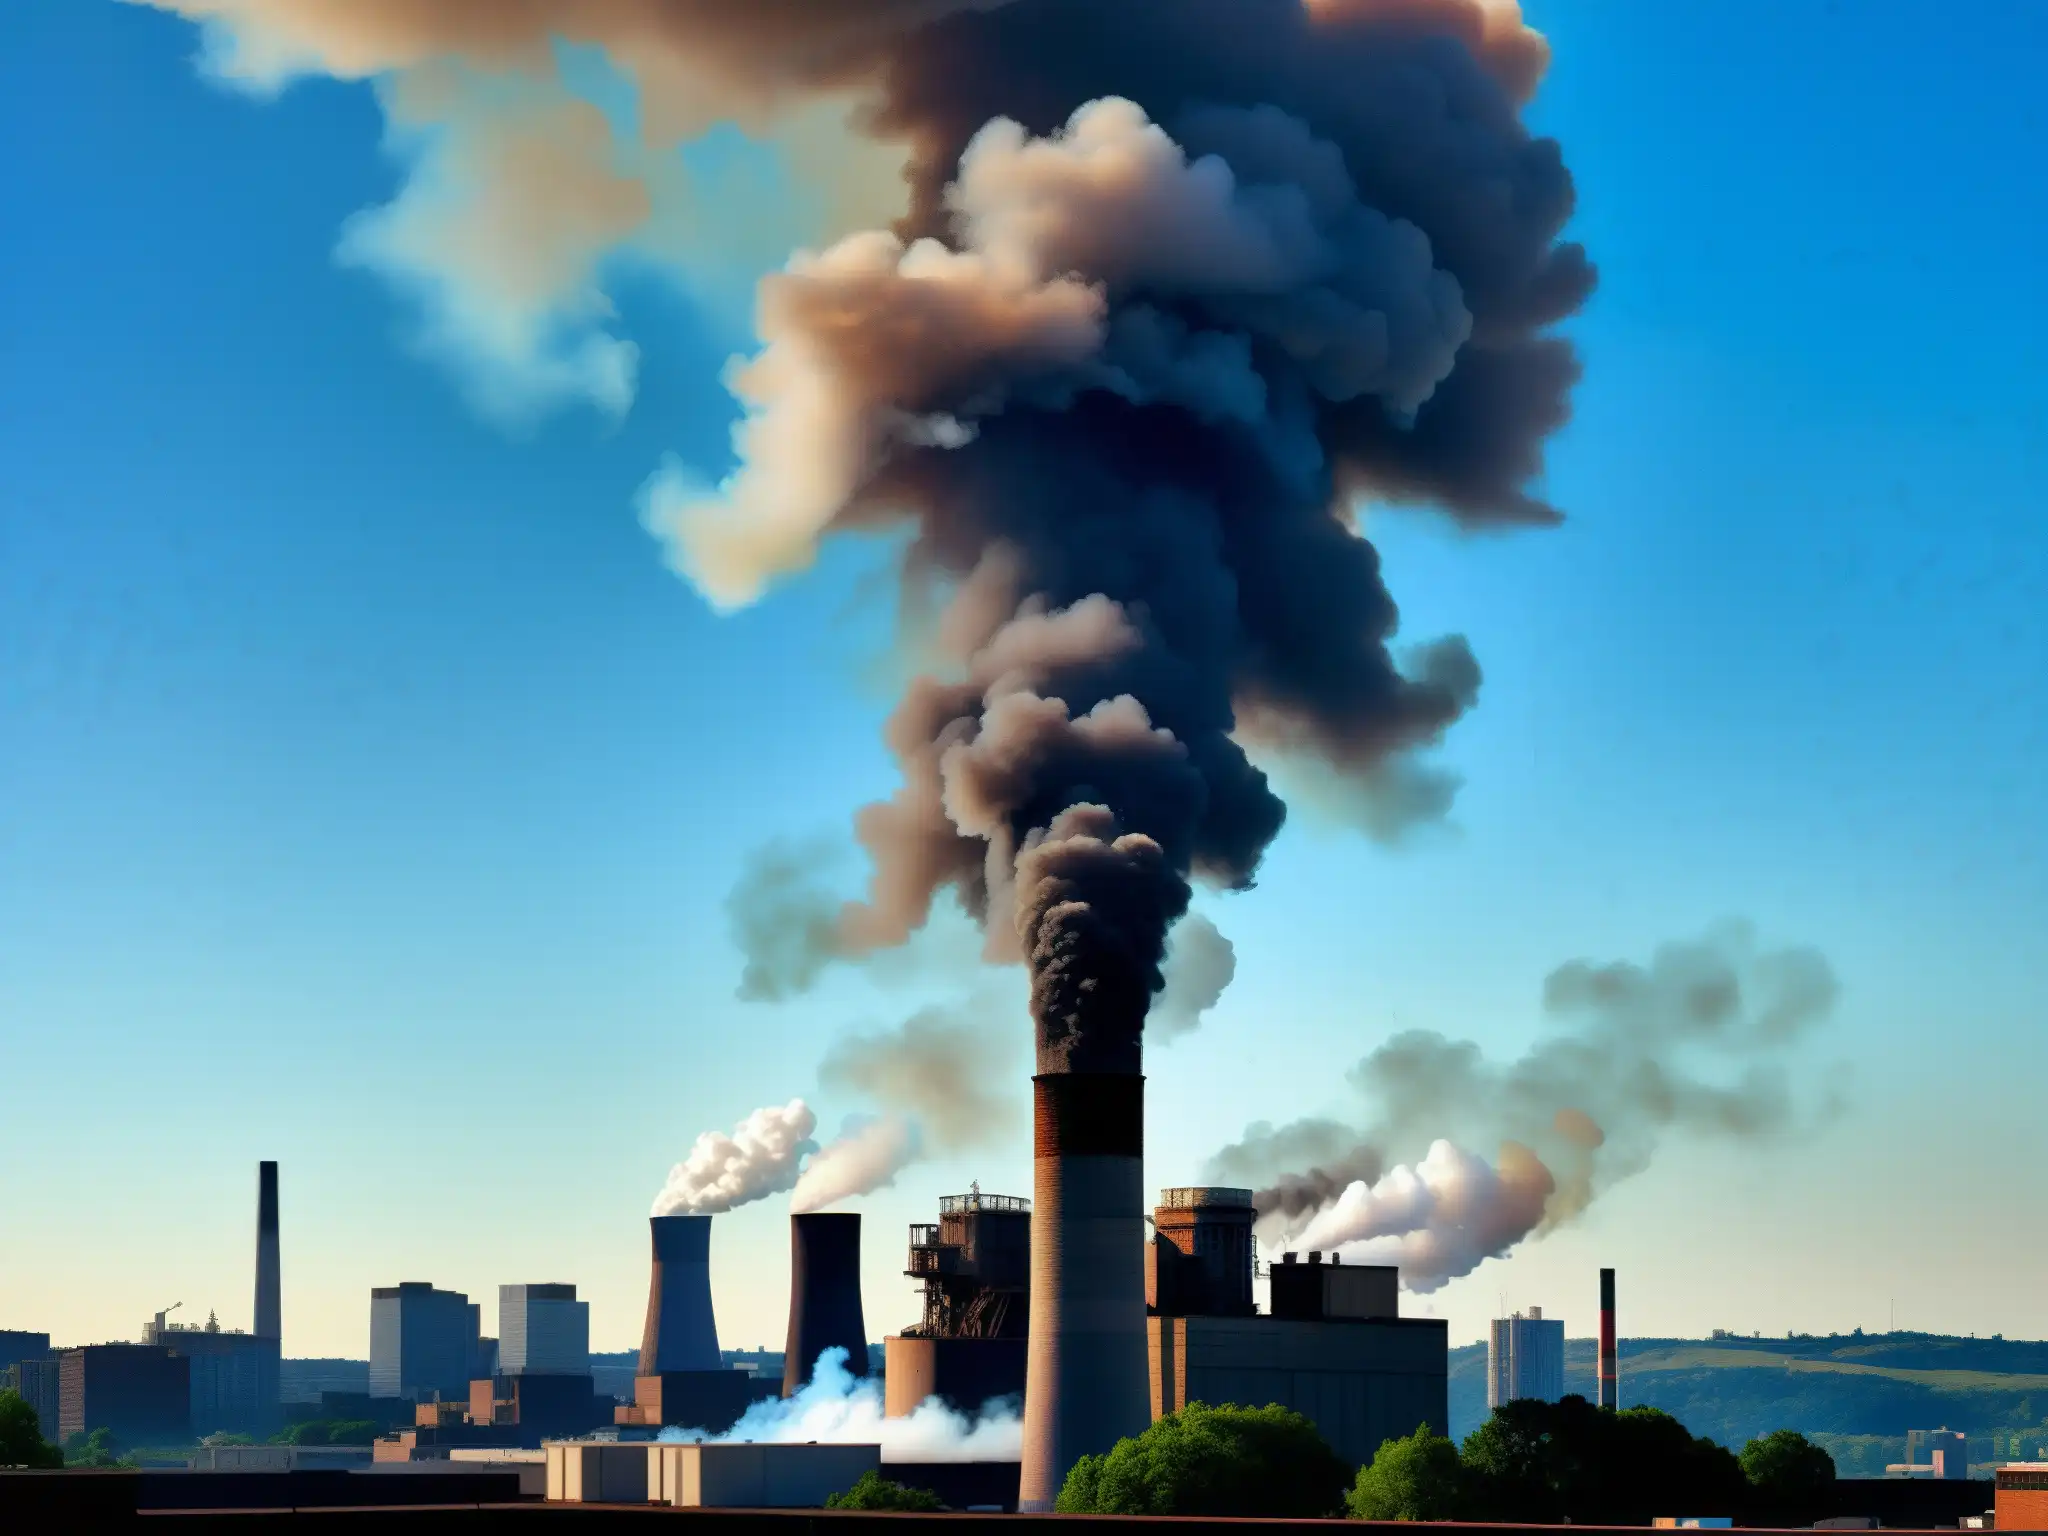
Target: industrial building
{"x": 543, "y": 1330}
{"x": 1333, "y": 1348}
{"x": 1941, "y": 1454}
{"x": 233, "y": 1375}
{"x": 824, "y": 1296}
{"x": 968, "y": 1347}
{"x": 140, "y": 1394}
{"x": 425, "y": 1344}
{"x": 682, "y": 1380}
{"x": 1525, "y": 1359}
{"x": 2020, "y": 1496}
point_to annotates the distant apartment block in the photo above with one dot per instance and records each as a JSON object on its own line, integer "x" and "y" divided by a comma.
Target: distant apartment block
{"x": 234, "y": 1376}
{"x": 543, "y": 1330}
{"x": 141, "y": 1394}
{"x": 425, "y": 1344}
{"x": 1525, "y": 1359}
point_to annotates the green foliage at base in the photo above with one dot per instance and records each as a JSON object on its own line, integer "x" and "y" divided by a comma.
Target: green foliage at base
{"x": 1419, "y": 1478}
{"x": 21, "y": 1435}
{"x": 94, "y": 1449}
{"x": 1786, "y": 1465}
{"x": 328, "y": 1432}
{"x": 875, "y": 1491}
{"x": 1212, "y": 1461}
{"x": 1544, "y": 1463}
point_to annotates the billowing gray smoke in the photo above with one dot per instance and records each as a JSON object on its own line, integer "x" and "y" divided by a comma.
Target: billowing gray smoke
{"x": 1694, "y": 1041}
{"x": 1178, "y": 282}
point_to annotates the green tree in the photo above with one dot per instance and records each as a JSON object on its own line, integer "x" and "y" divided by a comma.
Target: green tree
{"x": 1207, "y": 1460}
{"x": 1786, "y": 1465}
{"x": 21, "y": 1436}
{"x": 875, "y": 1491}
{"x": 93, "y": 1449}
{"x": 1546, "y": 1462}
{"x": 1419, "y": 1478}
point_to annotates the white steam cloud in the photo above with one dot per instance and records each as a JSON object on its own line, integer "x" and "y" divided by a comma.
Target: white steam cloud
{"x": 758, "y": 1159}
{"x": 1694, "y": 1041}
{"x": 1441, "y": 1218}
{"x": 837, "y": 1406}
{"x": 868, "y": 1157}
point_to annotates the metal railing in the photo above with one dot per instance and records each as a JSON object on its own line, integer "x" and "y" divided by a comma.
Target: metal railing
{"x": 956, "y": 1205}
{"x": 1195, "y": 1197}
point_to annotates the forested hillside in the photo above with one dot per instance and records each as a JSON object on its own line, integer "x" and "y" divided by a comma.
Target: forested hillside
{"x": 1856, "y": 1393}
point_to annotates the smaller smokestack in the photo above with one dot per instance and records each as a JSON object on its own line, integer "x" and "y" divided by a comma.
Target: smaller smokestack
{"x": 681, "y": 1333}
{"x": 1610, "y": 1373}
{"x": 824, "y": 1296}
{"x": 269, "y": 1315}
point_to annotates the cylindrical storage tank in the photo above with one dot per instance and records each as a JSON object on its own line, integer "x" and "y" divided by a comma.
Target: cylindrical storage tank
{"x": 1086, "y": 1376}
{"x": 681, "y": 1333}
{"x": 824, "y": 1296}
{"x": 966, "y": 1374}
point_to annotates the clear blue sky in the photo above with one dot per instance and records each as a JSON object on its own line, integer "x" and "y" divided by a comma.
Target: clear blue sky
{"x": 369, "y": 792}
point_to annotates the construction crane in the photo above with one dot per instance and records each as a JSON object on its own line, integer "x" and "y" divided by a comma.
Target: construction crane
{"x": 158, "y": 1329}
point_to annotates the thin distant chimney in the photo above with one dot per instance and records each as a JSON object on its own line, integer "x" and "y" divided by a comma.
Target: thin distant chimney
{"x": 1610, "y": 1374}
{"x": 269, "y": 1285}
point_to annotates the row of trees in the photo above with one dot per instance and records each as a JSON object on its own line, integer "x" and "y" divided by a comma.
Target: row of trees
{"x": 22, "y": 1443}
{"x": 1530, "y": 1463}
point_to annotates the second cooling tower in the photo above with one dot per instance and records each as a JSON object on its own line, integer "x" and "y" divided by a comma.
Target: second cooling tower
{"x": 680, "y": 1334}
{"x": 824, "y": 1296}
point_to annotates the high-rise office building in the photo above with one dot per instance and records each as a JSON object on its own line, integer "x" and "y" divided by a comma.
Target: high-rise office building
{"x": 423, "y": 1342}
{"x": 141, "y": 1394}
{"x": 234, "y": 1375}
{"x": 543, "y": 1330}
{"x": 1525, "y": 1359}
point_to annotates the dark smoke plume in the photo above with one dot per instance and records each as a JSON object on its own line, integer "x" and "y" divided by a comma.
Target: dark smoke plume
{"x": 1212, "y": 272}
{"x": 1689, "y": 1042}
{"x": 1179, "y": 282}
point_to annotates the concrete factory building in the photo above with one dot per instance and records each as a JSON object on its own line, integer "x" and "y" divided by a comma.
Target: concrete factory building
{"x": 424, "y": 1344}
{"x": 1525, "y": 1359}
{"x": 543, "y": 1330}
{"x": 974, "y": 1263}
{"x": 1334, "y": 1347}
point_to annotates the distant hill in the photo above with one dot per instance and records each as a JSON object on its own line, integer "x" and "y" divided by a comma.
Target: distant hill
{"x": 1857, "y": 1393}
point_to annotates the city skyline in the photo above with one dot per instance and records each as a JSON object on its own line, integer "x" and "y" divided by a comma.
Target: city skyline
{"x": 376, "y": 793}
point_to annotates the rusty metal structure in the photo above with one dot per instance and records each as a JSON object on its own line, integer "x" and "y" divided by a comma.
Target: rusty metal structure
{"x": 975, "y": 1265}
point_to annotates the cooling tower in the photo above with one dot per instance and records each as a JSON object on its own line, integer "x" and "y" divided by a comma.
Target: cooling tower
{"x": 1610, "y": 1371}
{"x": 1087, "y": 1382}
{"x": 269, "y": 1314}
{"x": 681, "y": 1334}
{"x": 824, "y": 1296}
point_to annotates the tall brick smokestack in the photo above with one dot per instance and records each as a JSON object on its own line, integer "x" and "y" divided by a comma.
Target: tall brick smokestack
{"x": 1085, "y": 1371}
{"x": 1610, "y": 1373}
{"x": 681, "y": 1334}
{"x": 824, "y": 1296}
{"x": 269, "y": 1313}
